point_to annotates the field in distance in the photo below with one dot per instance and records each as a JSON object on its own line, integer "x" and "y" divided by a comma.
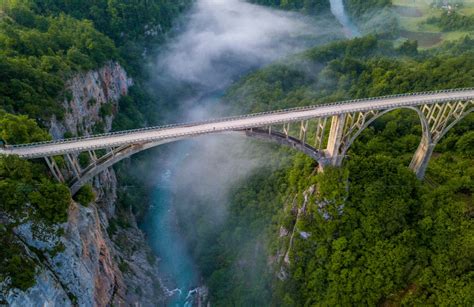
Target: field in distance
{"x": 431, "y": 22}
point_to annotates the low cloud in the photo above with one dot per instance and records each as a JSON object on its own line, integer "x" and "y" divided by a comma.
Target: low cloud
{"x": 221, "y": 39}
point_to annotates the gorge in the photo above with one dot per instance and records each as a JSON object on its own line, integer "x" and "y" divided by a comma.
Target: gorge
{"x": 219, "y": 41}
{"x": 223, "y": 219}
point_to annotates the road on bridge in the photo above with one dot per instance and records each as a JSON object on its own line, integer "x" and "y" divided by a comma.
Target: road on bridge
{"x": 230, "y": 124}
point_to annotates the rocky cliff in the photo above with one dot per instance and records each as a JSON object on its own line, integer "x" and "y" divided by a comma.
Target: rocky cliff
{"x": 84, "y": 261}
{"x": 91, "y": 101}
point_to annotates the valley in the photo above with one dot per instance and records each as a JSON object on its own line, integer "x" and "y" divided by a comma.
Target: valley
{"x": 223, "y": 219}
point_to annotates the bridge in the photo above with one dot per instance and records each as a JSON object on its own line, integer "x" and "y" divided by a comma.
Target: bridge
{"x": 324, "y": 132}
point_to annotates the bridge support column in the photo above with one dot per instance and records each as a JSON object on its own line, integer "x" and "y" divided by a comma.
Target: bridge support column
{"x": 320, "y": 129}
{"x": 422, "y": 157}
{"x": 92, "y": 156}
{"x": 335, "y": 139}
{"x": 53, "y": 167}
{"x": 75, "y": 168}
{"x": 286, "y": 130}
{"x": 303, "y": 130}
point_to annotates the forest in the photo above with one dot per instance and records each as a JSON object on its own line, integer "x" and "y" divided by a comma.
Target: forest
{"x": 452, "y": 21}
{"x": 358, "y": 8}
{"x": 377, "y": 235}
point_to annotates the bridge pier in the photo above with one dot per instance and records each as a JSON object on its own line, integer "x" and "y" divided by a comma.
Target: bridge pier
{"x": 92, "y": 156}
{"x": 53, "y": 167}
{"x": 286, "y": 130}
{"x": 422, "y": 157}
{"x": 332, "y": 151}
{"x": 74, "y": 166}
{"x": 320, "y": 130}
{"x": 303, "y": 130}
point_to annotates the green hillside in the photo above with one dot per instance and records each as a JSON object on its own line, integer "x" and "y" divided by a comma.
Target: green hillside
{"x": 383, "y": 237}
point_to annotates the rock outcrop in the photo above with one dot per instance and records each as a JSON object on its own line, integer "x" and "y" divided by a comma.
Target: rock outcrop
{"x": 288, "y": 233}
{"x": 48, "y": 291}
{"x": 94, "y": 266}
{"x": 91, "y": 101}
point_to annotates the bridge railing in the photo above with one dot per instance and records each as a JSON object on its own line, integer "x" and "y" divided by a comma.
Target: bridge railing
{"x": 231, "y": 118}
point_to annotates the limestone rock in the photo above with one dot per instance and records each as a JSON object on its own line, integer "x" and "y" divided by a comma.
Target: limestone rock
{"x": 89, "y": 92}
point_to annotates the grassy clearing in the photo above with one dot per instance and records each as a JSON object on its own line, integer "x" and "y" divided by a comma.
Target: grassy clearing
{"x": 413, "y": 15}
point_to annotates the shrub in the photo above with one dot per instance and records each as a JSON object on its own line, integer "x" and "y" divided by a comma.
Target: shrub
{"x": 85, "y": 195}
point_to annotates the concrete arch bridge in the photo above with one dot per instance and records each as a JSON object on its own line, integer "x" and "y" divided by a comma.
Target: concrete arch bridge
{"x": 324, "y": 132}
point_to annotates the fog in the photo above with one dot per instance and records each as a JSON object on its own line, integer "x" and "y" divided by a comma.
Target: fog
{"x": 216, "y": 43}
{"x": 222, "y": 38}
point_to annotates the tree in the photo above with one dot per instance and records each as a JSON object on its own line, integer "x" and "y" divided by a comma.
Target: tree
{"x": 18, "y": 129}
{"x": 85, "y": 195}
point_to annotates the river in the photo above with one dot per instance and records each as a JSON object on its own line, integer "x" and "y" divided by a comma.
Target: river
{"x": 339, "y": 11}
{"x": 217, "y": 42}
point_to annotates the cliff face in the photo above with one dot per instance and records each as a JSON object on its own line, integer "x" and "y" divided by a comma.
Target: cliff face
{"x": 90, "y": 268}
{"x": 92, "y": 101}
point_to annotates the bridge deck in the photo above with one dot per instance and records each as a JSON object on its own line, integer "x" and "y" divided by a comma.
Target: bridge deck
{"x": 233, "y": 123}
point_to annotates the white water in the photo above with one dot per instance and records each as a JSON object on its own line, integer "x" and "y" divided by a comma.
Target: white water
{"x": 339, "y": 11}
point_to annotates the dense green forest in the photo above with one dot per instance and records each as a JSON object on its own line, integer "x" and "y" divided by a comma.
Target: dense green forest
{"x": 376, "y": 234}
{"x": 358, "y": 68}
{"x": 134, "y": 26}
{"x": 38, "y": 52}
{"x": 373, "y": 16}
{"x": 120, "y": 20}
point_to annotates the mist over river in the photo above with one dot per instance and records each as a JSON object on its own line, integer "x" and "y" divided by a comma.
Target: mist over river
{"x": 216, "y": 43}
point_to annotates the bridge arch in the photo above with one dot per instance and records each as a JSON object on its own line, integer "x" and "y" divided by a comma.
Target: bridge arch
{"x": 454, "y": 123}
{"x": 438, "y": 129}
{"x": 109, "y": 159}
{"x": 425, "y": 130}
{"x": 120, "y": 153}
{"x": 436, "y": 120}
{"x": 288, "y": 141}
